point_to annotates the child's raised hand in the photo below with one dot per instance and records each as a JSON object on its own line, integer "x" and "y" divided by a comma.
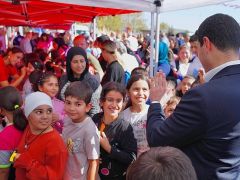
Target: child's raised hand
{"x": 201, "y": 74}
{"x": 104, "y": 142}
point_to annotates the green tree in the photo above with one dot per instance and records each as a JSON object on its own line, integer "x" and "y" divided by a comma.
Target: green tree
{"x": 110, "y": 23}
{"x": 120, "y": 22}
{"x": 164, "y": 27}
{"x": 135, "y": 21}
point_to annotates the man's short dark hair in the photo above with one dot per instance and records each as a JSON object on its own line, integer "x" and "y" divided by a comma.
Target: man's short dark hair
{"x": 193, "y": 38}
{"x": 80, "y": 90}
{"x": 222, "y": 30}
{"x": 165, "y": 163}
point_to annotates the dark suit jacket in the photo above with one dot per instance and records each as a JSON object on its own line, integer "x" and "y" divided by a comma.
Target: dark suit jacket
{"x": 205, "y": 125}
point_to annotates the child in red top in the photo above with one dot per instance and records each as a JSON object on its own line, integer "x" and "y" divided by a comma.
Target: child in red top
{"x": 8, "y": 71}
{"x": 41, "y": 153}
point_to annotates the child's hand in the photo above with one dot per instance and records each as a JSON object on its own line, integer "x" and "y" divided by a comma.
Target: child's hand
{"x": 17, "y": 156}
{"x": 23, "y": 71}
{"x": 105, "y": 143}
{"x": 14, "y": 156}
{"x": 201, "y": 74}
{"x": 55, "y": 117}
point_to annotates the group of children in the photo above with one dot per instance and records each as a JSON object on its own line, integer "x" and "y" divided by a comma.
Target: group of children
{"x": 52, "y": 139}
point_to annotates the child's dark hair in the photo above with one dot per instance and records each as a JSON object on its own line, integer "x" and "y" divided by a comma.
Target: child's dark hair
{"x": 80, "y": 90}
{"x": 11, "y": 100}
{"x": 40, "y": 78}
{"x": 49, "y": 66}
{"x": 139, "y": 70}
{"x": 162, "y": 163}
{"x": 34, "y": 78}
{"x": 55, "y": 55}
{"x": 41, "y": 54}
{"x": 132, "y": 80}
{"x": 112, "y": 86}
{"x": 34, "y": 60}
{"x": 14, "y": 50}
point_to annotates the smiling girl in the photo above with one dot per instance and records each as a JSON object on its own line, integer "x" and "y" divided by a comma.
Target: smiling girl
{"x": 118, "y": 145}
{"x": 138, "y": 92}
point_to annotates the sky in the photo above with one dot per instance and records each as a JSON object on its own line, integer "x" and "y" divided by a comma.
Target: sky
{"x": 190, "y": 19}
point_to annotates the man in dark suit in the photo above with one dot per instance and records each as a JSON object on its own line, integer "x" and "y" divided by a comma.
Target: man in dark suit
{"x": 206, "y": 123}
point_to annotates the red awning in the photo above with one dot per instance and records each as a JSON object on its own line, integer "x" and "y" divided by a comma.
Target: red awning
{"x": 52, "y": 15}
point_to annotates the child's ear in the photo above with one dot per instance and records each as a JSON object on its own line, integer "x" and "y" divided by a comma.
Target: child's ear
{"x": 2, "y": 111}
{"x": 101, "y": 104}
{"x": 88, "y": 107}
{"x": 128, "y": 94}
{"x": 40, "y": 88}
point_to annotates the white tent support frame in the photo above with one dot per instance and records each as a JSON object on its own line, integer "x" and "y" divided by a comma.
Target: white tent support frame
{"x": 151, "y": 66}
{"x": 154, "y": 64}
{"x": 94, "y": 28}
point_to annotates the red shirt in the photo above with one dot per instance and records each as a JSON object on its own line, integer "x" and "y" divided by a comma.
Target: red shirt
{"x": 6, "y": 71}
{"x": 45, "y": 157}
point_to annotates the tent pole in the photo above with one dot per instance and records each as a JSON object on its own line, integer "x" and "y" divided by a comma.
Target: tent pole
{"x": 94, "y": 28}
{"x": 158, "y": 5}
{"x": 152, "y": 45}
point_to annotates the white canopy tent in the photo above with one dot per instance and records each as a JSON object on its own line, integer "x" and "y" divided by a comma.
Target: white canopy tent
{"x": 153, "y": 6}
{"x": 144, "y": 5}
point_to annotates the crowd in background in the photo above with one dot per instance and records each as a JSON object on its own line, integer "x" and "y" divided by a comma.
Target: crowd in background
{"x": 77, "y": 108}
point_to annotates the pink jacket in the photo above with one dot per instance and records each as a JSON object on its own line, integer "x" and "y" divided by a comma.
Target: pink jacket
{"x": 58, "y": 108}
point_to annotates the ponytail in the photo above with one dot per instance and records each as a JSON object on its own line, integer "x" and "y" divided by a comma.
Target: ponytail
{"x": 19, "y": 119}
{"x": 11, "y": 101}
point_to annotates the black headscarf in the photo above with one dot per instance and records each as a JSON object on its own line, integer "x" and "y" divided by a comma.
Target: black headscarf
{"x": 85, "y": 76}
{"x": 70, "y": 54}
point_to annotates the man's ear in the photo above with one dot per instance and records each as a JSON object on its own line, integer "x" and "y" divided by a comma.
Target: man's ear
{"x": 88, "y": 107}
{"x": 207, "y": 43}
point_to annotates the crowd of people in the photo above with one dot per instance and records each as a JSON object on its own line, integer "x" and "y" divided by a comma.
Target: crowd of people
{"x": 89, "y": 110}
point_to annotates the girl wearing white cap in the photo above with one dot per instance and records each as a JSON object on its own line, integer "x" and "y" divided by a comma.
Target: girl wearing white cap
{"x": 41, "y": 153}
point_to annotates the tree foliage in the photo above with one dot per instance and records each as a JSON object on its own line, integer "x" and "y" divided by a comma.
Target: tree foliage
{"x": 164, "y": 27}
{"x": 110, "y": 23}
{"x": 120, "y": 22}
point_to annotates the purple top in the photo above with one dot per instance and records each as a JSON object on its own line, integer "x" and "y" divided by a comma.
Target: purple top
{"x": 58, "y": 108}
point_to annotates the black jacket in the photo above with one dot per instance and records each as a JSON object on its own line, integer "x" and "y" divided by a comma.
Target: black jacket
{"x": 124, "y": 148}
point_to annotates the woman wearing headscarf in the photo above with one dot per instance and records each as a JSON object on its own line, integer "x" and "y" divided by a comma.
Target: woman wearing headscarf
{"x": 78, "y": 70}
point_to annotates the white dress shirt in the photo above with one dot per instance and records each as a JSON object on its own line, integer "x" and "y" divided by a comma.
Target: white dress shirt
{"x": 209, "y": 75}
